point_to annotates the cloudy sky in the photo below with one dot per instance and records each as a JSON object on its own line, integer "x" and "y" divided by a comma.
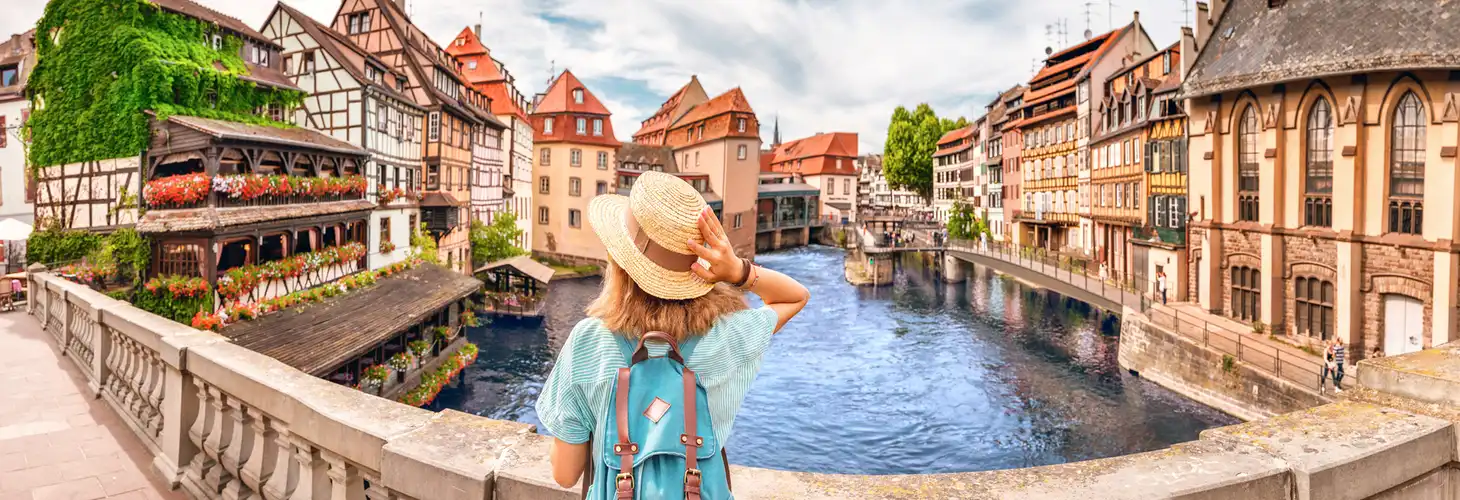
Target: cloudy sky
{"x": 820, "y": 65}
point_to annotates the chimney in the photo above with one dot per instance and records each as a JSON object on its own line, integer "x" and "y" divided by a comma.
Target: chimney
{"x": 478, "y": 30}
{"x": 1203, "y": 26}
{"x": 1137, "y": 15}
{"x": 15, "y": 44}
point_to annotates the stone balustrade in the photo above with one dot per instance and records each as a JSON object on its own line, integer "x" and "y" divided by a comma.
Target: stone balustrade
{"x": 226, "y": 422}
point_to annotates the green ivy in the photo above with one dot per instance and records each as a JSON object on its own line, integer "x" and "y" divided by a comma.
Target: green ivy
{"x": 125, "y": 249}
{"x": 101, "y": 63}
{"x": 54, "y": 246}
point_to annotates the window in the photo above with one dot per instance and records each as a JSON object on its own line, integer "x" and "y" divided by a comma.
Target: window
{"x": 578, "y": 97}
{"x": 575, "y": 218}
{"x": 1166, "y": 63}
{"x": 308, "y": 62}
{"x": 740, "y": 127}
{"x": 831, "y": 187}
{"x": 547, "y": 126}
{"x": 472, "y": 64}
{"x": 1141, "y": 108}
{"x": 384, "y": 231}
{"x": 359, "y": 23}
{"x": 575, "y": 186}
{"x": 582, "y": 126}
{"x": 1407, "y": 167}
{"x": 542, "y": 215}
{"x": 1247, "y": 166}
{"x": 381, "y": 117}
{"x": 1246, "y": 293}
{"x": 433, "y": 129}
{"x": 700, "y": 185}
{"x": 740, "y": 152}
{"x": 400, "y": 83}
{"x": 1176, "y": 219}
{"x": 847, "y": 186}
{"x": 542, "y": 185}
{"x": 1314, "y": 307}
{"x": 602, "y": 188}
{"x": 1318, "y": 173}
{"x": 697, "y": 158}
{"x": 598, "y": 126}
{"x": 546, "y": 157}
{"x": 575, "y": 158}
{"x": 737, "y": 221}
{"x": 1158, "y": 211}
{"x": 602, "y": 160}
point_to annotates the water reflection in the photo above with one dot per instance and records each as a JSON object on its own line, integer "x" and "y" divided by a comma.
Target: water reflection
{"x": 920, "y": 376}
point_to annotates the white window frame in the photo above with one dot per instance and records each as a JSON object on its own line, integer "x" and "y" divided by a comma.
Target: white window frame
{"x": 547, "y": 126}
{"x": 598, "y": 127}
{"x": 582, "y": 126}
{"x": 434, "y": 128}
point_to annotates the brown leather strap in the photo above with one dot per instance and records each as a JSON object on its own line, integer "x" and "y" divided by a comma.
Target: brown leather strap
{"x": 692, "y": 441}
{"x": 725, "y": 459}
{"x": 641, "y": 352}
{"x": 656, "y": 253}
{"x": 625, "y": 449}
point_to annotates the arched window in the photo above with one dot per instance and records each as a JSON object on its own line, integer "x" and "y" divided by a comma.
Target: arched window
{"x": 1314, "y": 307}
{"x": 1407, "y": 166}
{"x": 1246, "y": 293}
{"x": 1318, "y": 184}
{"x": 1247, "y": 166}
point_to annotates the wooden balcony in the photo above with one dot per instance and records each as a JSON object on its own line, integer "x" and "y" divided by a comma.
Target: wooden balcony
{"x": 1064, "y": 183}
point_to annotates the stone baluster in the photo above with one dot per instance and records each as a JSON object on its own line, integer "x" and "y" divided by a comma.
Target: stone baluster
{"x": 126, "y": 374}
{"x": 202, "y": 430}
{"x": 219, "y": 440}
{"x": 240, "y": 449}
{"x": 101, "y": 347}
{"x": 63, "y": 308}
{"x": 178, "y": 411}
{"x": 376, "y": 491}
{"x": 314, "y": 483}
{"x": 284, "y": 475}
{"x": 345, "y": 480}
{"x": 154, "y": 390}
{"x": 263, "y": 453}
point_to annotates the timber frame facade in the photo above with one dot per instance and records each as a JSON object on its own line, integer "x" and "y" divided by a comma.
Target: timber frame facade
{"x": 353, "y": 97}
{"x": 453, "y": 112}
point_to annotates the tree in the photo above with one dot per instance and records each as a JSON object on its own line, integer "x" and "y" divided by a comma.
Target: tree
{"x": 423, "y": 245}
{"x": 964, "y": 225}
{"x": 912, "y": 137}
{"x": 491, "y": 243}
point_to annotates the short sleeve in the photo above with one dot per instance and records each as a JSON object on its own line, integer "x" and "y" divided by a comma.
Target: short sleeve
{"x": 747, "y": 333}
{"x": 562, "y": 406}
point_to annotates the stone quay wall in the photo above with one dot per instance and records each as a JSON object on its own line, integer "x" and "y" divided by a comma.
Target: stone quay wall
{"x": 226, "y": 422}
{"x": 1214, "y": 378}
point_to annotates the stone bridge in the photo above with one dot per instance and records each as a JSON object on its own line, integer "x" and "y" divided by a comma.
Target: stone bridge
{"x": 220, "y": 421}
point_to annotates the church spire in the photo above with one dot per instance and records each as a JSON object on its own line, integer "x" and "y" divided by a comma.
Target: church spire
{"x": 776, "y": 134}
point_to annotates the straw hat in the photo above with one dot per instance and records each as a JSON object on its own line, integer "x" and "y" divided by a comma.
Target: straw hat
{"x": 647, "y": 234}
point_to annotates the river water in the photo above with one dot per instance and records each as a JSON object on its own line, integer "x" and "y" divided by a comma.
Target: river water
{"x": 918, "y": 377}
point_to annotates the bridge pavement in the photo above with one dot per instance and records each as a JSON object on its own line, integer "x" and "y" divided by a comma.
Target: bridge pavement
{"x": 56, "y": 441}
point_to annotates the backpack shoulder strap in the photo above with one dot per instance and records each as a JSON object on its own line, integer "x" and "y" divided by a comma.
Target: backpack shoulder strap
{"x": 691, "y": 438}
{"x": 625, "y": 449}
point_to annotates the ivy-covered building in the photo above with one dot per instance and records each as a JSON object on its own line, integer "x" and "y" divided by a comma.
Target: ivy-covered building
{"x": 165, "y": 119}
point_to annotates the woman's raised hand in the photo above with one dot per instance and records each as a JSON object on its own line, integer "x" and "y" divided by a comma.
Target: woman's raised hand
{"x": 713, "y": 247}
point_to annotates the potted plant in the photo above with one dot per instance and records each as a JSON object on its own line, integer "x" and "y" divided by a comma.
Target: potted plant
{"x": 419, "y": 349}
{"x": 438, "y": 338}
{"x": 401, "y": 363}
{"x": 373, "y": 378}
{"x": 469, "y": 318}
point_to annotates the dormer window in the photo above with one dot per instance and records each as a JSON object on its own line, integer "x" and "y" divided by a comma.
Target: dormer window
{"x": 598, "y": 126}
{"x": 400, "y": 83}
{"x": 578, "y": 97}
{"x": 9, "y": 75}
{"x": 1166, "y": 63}
{"x": 547, "y": 126}
{"x": 308, "y": 62}
{"x": 359, "y": 23}
{"x": 740, "y": 125}
{"x": 472, "y": 64}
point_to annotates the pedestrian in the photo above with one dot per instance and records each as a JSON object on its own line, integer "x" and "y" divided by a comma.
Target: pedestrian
{"x": 1328, "y": 369}
{"x": 1161, "y": 284}
{"x": 1338, "y": 361}
{"x": 673, "y": 278}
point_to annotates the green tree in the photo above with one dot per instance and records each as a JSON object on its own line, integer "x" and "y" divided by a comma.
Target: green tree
{"x": 912, "y": 137}
{"x": 963, "y": 224}
{"x": 423, "y": 245}
{"x": 491, "y": 243}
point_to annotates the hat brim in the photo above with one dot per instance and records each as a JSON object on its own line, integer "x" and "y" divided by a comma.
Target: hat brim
{"x": 606, "y": 214}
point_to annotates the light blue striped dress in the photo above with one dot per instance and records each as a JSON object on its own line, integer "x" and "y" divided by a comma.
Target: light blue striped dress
{"x": 575, "y": 399}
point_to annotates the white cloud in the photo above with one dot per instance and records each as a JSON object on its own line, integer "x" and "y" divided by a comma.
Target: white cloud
{"x": 821, "y": 65}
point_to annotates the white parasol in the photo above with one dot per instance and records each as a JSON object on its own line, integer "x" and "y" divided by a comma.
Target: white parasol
{"x": 13, "y": 230}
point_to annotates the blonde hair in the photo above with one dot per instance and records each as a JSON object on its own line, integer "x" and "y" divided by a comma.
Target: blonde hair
{"x": 628, "y": 310}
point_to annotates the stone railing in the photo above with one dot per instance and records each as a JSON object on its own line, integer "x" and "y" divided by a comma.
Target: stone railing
{"x": 225, "y": 422}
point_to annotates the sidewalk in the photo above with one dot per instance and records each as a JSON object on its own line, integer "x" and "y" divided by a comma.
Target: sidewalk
{"x": 1287, "y": 361}
{"x": 56, "y": 441}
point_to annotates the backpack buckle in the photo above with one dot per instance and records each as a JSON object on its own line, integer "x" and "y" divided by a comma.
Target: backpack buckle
{"x": 624, "y": 481}
{"x": 688, "y": 473}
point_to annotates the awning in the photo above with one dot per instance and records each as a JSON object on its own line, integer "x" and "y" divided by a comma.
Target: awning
{"x": 525, "y": 265}
{"x": 14, "y": 230}
{"x": 439, "y": 199}
{"x": 318, "y": 338}
{"x": 839, "y": 205}
{"x": 198, "y": 219}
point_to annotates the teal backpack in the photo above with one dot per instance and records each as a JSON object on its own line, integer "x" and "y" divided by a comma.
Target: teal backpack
{"x": 658, "y": 442}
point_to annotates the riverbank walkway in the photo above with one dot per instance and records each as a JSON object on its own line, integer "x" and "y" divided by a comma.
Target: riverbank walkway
{"x": 1266, "y": 352}
{"x": 56, "y": 440}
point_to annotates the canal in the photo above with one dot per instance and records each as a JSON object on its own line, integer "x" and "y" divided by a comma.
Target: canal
{"x": 917, "y": 377}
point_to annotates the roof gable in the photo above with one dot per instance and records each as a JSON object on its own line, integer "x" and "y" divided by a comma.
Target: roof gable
{"x": 732, "y": 100}
{"x": 559, "y": 98}
{"x": 350, "y": 56}
{"x": 688, "y": 96}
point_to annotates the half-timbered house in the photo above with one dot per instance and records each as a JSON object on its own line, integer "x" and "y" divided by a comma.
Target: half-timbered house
{"x": 433, "y": 81}
{"x": 355, "y": 98}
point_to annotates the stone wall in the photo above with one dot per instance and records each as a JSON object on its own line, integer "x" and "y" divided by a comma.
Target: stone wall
{"x": 1175, "y": 362}
{"x": 226, "y": 422}
{"x": 1307, "y": 258}
{"x": 1240, "y": 248}
{"x": 1394, "y": 270}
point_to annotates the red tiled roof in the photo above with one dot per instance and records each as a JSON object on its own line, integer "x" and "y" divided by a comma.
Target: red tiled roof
{"x": 954, "y": 135}
{"x": 835, "y": 145}
{"x": 471, "y": 48}
{"x": 1077, "y": 61}
{"x": 732, "y": 100}
{"x": 558, "y": 98}
{"x": 660, "y": 119}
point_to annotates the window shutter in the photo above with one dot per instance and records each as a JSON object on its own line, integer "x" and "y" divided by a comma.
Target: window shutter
{"x": 1180, "y": 165}
{"x": 4, "y": 136}
{"x": 1158, "y": 205}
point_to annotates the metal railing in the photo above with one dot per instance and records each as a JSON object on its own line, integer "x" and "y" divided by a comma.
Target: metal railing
{"x": 1144, "y": 296}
